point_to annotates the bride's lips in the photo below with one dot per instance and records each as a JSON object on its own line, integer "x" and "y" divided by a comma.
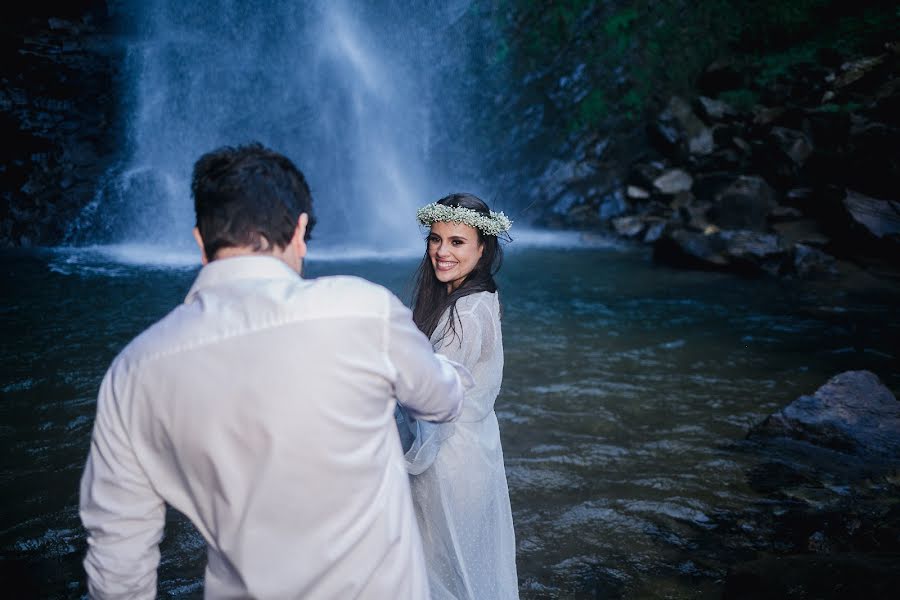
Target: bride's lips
{"x": 444, "y": 265}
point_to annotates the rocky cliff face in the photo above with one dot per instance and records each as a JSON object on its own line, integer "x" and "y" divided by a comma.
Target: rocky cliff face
{"x": 805, "y": 175}
{"x": 58, "y": 114}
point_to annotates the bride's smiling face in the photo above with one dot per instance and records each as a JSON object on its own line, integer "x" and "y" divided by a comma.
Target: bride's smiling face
{"x": 454, "y": 250}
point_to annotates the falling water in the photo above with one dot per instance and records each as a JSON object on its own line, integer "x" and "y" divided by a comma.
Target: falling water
{"x": 345, "y": 89}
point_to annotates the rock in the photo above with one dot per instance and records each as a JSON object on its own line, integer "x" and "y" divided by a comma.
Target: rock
{"x": 636, "y": 193}
{"x": 793, "y": 144}
{"x": 744, "y": 252}
{"x": 880, "y": 219}
{"x": 803, "y": 231}
{"x": 694, "y": 216}
{"x": 687, "y": 249}
{"x": 810, "y": 262}
{"x": 673, "y": 181}
{"x": 741, "y": 144}
{"x": 678, "y": 131}
{"x": 763, "y": 115}
{"x": 715, "y": 110}
{"x": 852, "y": 413}
{"x": 655, "y": 229}
{"x": 820, "y": 577}
{"x": 744, "y": 204}
{"x": 642, "y": 174}
{"x": 612, "y": 205}
{"x": 696, "y": 134}
{"x": 784, "y": 213}
{"x": 754, "y": 253}
{"x": 855, "y": 71}
{"x": 628, "y": 226}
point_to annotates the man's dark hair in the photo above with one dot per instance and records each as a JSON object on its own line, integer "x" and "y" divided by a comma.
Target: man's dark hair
{"x": 248, "y": 196}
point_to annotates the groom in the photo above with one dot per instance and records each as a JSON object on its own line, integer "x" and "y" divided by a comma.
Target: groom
{"x": 262, "y": 409}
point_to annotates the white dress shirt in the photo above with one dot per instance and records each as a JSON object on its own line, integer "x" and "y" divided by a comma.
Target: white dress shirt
{"x": 262, "y": 409}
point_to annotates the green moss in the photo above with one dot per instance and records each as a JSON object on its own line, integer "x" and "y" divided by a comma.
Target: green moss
{"x": 640, "y": 52}
{"x": 592, "y": 109}
{"x": 847, "y": 107}
{"x": 742, "y": 100}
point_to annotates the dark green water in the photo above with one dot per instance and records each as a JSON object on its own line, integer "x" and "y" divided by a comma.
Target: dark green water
{"x": 627, "y": 391}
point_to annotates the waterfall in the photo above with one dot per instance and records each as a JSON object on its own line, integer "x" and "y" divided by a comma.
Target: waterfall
{"x": 345, "y": 89}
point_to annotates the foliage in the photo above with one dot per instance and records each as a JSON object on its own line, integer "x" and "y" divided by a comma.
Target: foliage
{"x": 596, "y": 63}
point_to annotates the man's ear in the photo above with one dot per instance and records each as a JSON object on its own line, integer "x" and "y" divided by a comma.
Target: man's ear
{"x": 299, "y": 239}
{"x": 199, "y": 239}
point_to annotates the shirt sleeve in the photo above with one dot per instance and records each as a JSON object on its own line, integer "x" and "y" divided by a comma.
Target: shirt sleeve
{"x": 123, "y": 515}
{"x": 430, "y": 387}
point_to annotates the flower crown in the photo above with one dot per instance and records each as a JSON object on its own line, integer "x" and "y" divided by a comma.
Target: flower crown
{"x": 493, "y": 223}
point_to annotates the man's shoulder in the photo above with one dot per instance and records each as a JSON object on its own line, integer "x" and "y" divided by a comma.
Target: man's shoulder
{"x": 207, "y": 321}
{"x": 346, "y": 293}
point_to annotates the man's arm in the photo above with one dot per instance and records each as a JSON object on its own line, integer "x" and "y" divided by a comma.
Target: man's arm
{"x": 429, "y": 386}
{"x": 122, "y": 513}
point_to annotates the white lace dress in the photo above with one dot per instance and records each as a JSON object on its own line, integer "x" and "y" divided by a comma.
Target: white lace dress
{"x": 461, "y": 498}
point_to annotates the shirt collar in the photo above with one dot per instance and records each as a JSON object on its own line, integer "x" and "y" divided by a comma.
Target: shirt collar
{"x": 238, "y": 268}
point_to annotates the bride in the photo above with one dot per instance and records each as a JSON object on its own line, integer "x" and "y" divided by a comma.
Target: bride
{"x": 457, "y": 476}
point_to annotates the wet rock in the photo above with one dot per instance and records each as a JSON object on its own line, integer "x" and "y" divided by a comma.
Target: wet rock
{"x": 802, "y": 231}
{"x": 656, "y": 227}
{"x": 784, "y": 213}
{"x": 854, "y": 73}
{"x": 879, "y": 218}
{"x": 636, "y": 193}
{"x": 611, "y": 205}
{"x": 873, "y": 226}
{"x": 691, "y": 250}
{"x": 810, "y": 262}
{"x": 744, "y": 204}
{"x": 642, "y": 174}
{"x": 628, "y": 226}
{"x": 715, "y": 110}
{"x": 743, "y": 252}
{"x": 853, "y": 413}
{"x": 819, "y": 577}
{"x": 673, "y": 181}
{"x": 793, "y": 144}
{"x": 764, "y": 115}
{"x": 679, "y": 130}
{"x": 754, "y": 253}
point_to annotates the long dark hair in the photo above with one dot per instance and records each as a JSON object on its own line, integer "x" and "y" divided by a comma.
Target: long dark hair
{"x": 430, "y": 297}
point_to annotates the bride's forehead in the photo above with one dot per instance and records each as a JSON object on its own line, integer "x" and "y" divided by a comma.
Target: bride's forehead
{"x": 451, "y": 229}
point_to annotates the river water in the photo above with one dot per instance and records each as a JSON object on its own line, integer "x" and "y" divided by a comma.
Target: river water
{"x": 627, "y": 391}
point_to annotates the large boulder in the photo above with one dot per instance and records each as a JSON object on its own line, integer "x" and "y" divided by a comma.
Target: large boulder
{"x": 744, "y": 204}
{"x": 829, "y": 577}
{"x": 744, "y": 252}
{"x": 852, "y": 413}
{"x": 679, "y": 131}
{"x": 673, "y": 181}
{"x": 810, "y": 263}
{"x": 878, "y": 219}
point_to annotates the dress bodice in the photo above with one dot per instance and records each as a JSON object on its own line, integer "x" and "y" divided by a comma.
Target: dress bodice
{"x": 476, "y": 343}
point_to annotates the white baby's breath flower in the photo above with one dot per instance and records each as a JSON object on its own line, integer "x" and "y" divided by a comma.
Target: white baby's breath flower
{"x": 493, "y": 223}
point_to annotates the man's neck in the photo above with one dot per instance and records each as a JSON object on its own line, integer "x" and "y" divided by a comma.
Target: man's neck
{"x": 284, "y": 255}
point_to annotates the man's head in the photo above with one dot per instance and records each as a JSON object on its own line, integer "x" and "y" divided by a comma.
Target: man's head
{"x": 250, "y": 199}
